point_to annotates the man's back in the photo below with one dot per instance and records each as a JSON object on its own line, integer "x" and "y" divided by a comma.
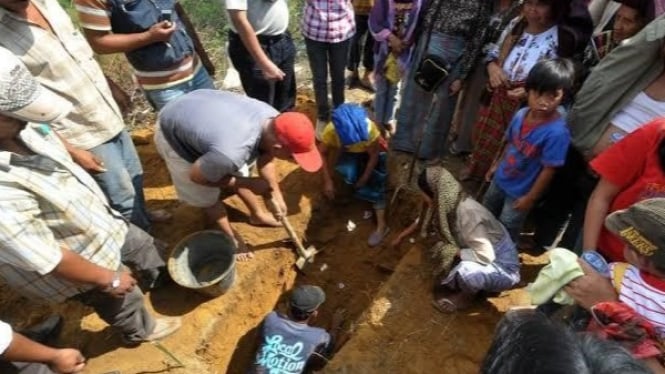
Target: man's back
{"x": 286, "y": 346}
{"x": 222, "y": 128}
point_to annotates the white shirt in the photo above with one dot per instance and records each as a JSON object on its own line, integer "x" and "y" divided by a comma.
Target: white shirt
{"x": 6, "y": 335}
{"x": 267, "y": 17}
{"x": 641, "y": 110}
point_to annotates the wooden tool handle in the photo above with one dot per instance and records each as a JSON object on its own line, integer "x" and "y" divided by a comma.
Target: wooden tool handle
{"x": 272, "y": 205}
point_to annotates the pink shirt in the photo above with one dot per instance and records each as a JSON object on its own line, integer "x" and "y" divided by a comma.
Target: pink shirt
{"x": 329, "y": 21}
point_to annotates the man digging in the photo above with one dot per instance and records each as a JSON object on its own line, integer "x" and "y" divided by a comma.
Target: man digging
{"x": 210, "y": 139}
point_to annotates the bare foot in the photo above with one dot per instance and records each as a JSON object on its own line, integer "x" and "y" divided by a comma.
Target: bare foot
{"x": 453, "y": 302}
{"x": 264, "y": 219}
{"x": 244, "y": 256}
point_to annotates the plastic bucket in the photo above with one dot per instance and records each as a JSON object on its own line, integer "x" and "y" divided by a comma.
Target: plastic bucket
{"x": 204, "y": 261}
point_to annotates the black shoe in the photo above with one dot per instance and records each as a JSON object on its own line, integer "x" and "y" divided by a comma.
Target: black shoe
{"x": 45, "y": 332}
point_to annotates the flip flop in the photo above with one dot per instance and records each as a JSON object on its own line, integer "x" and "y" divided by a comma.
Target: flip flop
{"x": 437, "y": 305}
{"x": 377, "y": 237}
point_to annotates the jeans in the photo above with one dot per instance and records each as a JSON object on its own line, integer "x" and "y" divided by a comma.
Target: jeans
{"x": 321, "y": 55}
{"x": 367, "y": 56}
{"x": 416, "y": 108}
{"x": 122, "y": 182}
{"x": 385, "y": 100}
{"x": 159, "y": 98}
{"x": 129, "y": 314}
{"x": 281, "y": 50}
{"x": 501, "y": 205}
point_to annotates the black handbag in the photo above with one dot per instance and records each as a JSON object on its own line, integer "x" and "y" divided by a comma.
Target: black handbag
{"x": 432, "y": 70}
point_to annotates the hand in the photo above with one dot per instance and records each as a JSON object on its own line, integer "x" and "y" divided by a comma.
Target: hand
{"x": 591, "y": 288}
{"x": 271, "y": 72}
{"x": 88, "y": 161}
{"x": 455, "y": 87}
{"x": 395, "y": 242}
{"x": 524, "y": 203}
{"x": 497, "y": 77}
{"x": 396, "y": 44}
{"x": 329, "y": 189}
{"x": 127, "y": 284}
{"x": 67, "y": 361}
{"x": 161, "y": 31}
{"x": 280, "y": 205}
{"x": 360, "y": 183}
{"x": 517, "y": 93}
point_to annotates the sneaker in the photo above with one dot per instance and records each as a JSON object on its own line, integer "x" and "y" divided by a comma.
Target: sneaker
{"x": 164, "y": 327}
{"x": 377, "y": 237}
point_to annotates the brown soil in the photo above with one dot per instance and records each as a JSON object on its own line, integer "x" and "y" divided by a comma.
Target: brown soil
{"x": 390, "y": 326}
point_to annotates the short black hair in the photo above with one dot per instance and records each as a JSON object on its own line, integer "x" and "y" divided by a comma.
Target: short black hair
{"x": 551, "y": 75}
{"x": 526, "y": 341}
{"x": 645, "y": 9}
{"x": 299, "y": 315}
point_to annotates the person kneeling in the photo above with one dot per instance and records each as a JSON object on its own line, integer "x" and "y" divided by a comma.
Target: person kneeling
{"x": 489, "y": 260}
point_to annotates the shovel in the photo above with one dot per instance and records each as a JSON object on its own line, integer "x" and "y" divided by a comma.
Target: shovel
{"x": 304, "y": 255}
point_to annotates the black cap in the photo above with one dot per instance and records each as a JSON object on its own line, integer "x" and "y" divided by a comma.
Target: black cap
{"x": 307, "y": 298}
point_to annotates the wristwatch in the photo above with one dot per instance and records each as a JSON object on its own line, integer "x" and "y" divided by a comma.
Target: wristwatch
{"x": 115, "y": 282}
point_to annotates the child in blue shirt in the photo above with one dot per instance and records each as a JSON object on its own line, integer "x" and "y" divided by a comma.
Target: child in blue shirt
{"x": 537, "y": 141}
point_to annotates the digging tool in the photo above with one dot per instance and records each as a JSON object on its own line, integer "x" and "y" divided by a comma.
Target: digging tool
{"x": 304, "y": 255}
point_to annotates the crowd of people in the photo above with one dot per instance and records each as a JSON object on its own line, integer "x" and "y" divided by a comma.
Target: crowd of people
{"x": 555, "y": 106}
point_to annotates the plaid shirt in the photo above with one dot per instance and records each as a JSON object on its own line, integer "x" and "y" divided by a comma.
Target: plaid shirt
{"x": 329, "y": 21}
{"x": 63, "y": 62}
{"x": 47, "y": 203}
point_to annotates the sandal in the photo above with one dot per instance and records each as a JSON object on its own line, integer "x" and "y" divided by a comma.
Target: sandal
{"x": 159, "y": 215}
{"x": 444, "y": 305}
{"x": 377, "y": 237}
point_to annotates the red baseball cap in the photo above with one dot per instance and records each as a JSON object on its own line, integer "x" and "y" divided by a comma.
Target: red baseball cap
{"x": 296, "y": 132}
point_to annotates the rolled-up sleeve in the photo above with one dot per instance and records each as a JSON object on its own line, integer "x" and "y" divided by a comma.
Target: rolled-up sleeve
{"x": 26, "y": 242}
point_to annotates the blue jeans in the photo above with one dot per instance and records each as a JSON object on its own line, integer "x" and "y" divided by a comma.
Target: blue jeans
{"x": 501, "y": 205}
{"x": 122, "y": 182}
{"x": 159, "y": 98}
{"x": 321, "y": 55}
{"x": 415, "y": 104}
{"x": 385, "y": 99}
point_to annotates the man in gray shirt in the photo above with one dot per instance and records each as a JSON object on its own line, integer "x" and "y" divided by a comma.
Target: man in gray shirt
{"x": 210, "y": 138}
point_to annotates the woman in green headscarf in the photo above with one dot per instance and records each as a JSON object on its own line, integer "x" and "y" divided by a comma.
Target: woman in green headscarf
{"x": 486, "y": 256}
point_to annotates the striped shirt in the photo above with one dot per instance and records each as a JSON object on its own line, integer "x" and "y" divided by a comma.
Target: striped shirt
{"x": 63, "y": 62}
{"x": 47, "y": 202}
{"x": 644, "y": 293}
{"x": 96, "y": 15}
{"x": 328, "y": 21}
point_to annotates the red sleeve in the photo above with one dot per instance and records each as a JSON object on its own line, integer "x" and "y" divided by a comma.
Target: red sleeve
{"x": 624, "y": 161}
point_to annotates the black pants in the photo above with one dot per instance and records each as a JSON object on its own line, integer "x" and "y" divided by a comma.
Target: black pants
{"x": 322, "y": 56}
{"x": 367, "y": 55}
{"x": 281, "y": 50}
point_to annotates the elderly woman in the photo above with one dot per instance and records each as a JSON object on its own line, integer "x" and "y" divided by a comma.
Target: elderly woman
{"x": 537, "y": 34}
{"x": 452, "y": 33}
{"x": 488, "y": 257}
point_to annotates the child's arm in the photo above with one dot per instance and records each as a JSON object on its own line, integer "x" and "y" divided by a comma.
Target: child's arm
{"x": 525, "y": 203}
{"x": 373, "y": 151}
{"x": 328, "y": 184}
{"x": 490, "y": 173}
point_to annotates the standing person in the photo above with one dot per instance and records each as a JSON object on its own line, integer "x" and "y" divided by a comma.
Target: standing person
{"x": 489, "y": 260}
{"x": 288, "y": 344}
{"x": 327, "y": 26}
{"x": 537, "y": 142}
{"x": 453, "y": 31}
{"x": 466, "y": 115}
{"x": 27, "y": 356}
{"x": 59, "y": 237}
{"x": 210, "y": 139}
{"x": 42, "y": 35}
{"x": 393, "y": 24}
{"x": 537, "y": 35}
{"x": 262, "y": 50}
{"x": 163, "y": 54}
{"x": 362, "y": 47}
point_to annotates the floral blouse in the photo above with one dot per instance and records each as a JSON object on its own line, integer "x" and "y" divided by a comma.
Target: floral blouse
{"x": 526, "y": 52}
